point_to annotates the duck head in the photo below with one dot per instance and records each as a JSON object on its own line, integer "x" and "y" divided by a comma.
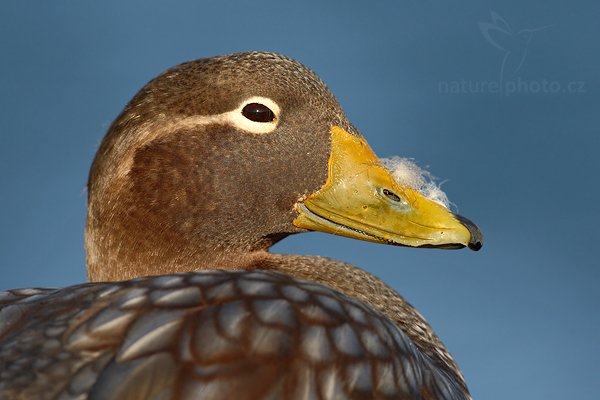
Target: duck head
{"x": 217, "y": 159}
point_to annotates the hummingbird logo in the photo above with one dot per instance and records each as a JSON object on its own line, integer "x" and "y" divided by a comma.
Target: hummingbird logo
{"x": 514, "y": 44}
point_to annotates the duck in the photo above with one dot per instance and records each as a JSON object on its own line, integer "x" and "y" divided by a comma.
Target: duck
{"x": 210, "y": 164}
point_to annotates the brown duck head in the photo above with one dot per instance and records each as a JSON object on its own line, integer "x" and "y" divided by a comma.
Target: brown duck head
{"x": 217, "y": 159}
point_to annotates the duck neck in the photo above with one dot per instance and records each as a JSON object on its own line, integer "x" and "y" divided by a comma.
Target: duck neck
{"x": 123, "y": 250}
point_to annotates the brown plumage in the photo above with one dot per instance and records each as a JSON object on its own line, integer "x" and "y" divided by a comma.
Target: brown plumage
{"x": 175, "y": 188}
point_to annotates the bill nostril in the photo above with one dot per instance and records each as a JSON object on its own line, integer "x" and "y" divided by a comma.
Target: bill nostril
{"x": 391, "y": 195}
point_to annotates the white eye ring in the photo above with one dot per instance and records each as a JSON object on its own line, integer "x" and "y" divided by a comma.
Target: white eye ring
{"x": 238, "y": 119}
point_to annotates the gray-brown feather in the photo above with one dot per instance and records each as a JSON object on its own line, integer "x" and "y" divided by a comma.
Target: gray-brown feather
{"x": 209, "y": 335}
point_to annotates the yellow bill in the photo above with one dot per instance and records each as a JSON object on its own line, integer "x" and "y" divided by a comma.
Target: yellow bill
{"x": 362, "y": 200}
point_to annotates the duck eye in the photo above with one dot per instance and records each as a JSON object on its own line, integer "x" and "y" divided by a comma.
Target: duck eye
{"x": 391, "y": 195}
{"x": 258, "y": 112}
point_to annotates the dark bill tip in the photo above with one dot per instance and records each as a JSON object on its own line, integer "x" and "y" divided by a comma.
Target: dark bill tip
{"x": 476, "y": 241}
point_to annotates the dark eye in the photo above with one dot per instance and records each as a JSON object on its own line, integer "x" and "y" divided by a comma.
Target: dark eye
{"x": 258, "y": 112}
{"x": 391, "y": 195}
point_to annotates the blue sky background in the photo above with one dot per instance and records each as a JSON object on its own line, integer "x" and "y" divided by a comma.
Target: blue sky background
{"x": 417, "y": 78}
